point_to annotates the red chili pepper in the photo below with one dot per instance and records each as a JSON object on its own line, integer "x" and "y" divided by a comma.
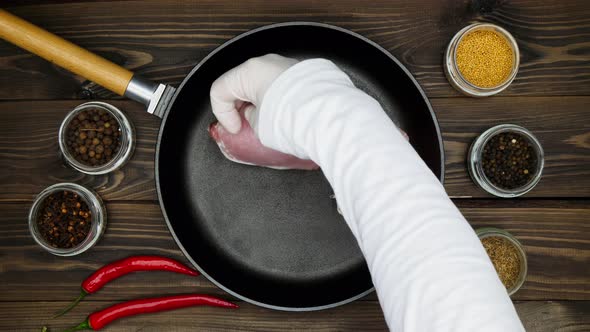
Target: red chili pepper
{"x": 100, "y": 319}
{"x": 125, "y": 266}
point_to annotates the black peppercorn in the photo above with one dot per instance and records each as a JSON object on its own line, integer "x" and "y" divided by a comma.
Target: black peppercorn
{"x": 506, "y": 160}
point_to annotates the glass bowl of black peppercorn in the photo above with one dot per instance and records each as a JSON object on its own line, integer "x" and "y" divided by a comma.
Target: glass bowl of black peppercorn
{"x": 67, "y": 219}
{"x": 96, "y": 138}
{"x": 506, "y": 161}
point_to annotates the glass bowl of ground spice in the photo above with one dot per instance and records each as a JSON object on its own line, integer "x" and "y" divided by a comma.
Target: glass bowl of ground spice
{"x": 96, "y": 138}
{"x": 481, "y": 60}
{"x": 67, "y": 219}
{"x": 507, "y": 255}
{"x": 506, "y": 161}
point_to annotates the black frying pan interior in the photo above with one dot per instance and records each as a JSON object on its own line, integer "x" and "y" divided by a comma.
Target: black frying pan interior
{"x": 272, "y": 237}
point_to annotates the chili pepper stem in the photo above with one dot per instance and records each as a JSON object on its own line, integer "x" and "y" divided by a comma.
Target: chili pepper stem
{"x": 83, "y": 294}
{"x": 85, "y": 325}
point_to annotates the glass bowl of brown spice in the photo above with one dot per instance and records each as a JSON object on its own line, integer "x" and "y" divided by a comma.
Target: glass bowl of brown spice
{"x": 481, "y": 60}
{"x": 67, "y": 219}
{"x": 96, "y": 138}
{"x": 507, "y": 255}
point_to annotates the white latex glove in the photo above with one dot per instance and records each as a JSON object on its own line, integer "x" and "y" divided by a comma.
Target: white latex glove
{"x": 247, "y": 82}
{"x": 235, "y": 97}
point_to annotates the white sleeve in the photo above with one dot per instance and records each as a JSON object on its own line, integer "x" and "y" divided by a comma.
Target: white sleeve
{"x": 430, "y": 270}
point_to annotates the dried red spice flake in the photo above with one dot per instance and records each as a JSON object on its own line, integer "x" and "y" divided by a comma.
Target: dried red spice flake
{"x": 64, "y": 219}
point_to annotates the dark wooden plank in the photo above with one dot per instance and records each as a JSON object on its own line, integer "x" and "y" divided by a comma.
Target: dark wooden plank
{"x": 359, "y": 316}
{"x": 163, "y": 40}
{"x": 30, "y": 274}
{"x": 536, "y": 316}
{"x": 555, "y": 235}
{"x": 132, "y": 229}
{"x": 29, "y": 159}
{"x": 561, "y": 124}
{"x": 554, "y": 316}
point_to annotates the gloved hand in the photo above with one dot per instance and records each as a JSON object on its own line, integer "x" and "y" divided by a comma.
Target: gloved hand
{"x": 235, "y": 97}
{"x": 247, "y": 82}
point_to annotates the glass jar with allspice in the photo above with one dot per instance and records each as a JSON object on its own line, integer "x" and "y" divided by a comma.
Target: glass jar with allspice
{"x": 481, "y": 60}
{"x": 96, "y": 138}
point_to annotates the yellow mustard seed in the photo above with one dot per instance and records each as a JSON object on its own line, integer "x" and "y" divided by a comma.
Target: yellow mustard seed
{"x": 484, "y": 58}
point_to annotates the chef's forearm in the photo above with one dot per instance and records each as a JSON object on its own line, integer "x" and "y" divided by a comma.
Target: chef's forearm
{"x": 429, "y": 269}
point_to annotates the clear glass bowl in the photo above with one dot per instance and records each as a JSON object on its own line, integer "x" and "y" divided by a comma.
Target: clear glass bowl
{"x": 127, "y": 138}
{"x": 99, "y": 218}
{"x": 475, "y": 167}
{"x": 482, "y": 233}
{"x": 456, "y": 78}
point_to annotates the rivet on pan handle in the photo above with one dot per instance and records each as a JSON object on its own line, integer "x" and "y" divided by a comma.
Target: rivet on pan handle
{"x": 155, "y": 96}
{"x": 84, "y": 63}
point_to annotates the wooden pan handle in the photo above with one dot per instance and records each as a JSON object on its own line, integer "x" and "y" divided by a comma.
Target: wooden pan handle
{"x": 63, "y": 53}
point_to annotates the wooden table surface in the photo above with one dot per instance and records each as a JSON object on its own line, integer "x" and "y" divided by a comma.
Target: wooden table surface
{"x": 163, "y": 40}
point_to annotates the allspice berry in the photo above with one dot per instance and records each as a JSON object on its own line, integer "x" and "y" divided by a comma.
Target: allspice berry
{"x": 92, "y": 137}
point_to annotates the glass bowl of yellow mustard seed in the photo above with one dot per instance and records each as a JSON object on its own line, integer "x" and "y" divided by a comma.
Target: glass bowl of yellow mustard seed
{"x": 96, "y": 138}
{"x": 481, "y": 60}
{"x": 67, "y": 219}
{"x": 507, "y": 255}
{"x": 506, "y": 161}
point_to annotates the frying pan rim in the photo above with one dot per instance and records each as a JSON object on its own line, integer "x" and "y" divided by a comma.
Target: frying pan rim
{"x": 190, "y": 75}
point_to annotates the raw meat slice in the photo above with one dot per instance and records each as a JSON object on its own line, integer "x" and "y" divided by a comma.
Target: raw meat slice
{"x": 245, "y": 148}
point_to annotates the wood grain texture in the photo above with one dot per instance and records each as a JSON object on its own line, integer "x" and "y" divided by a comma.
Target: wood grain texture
{"x": 63, "y": 53}
{"x": 556, "y": 237}
{"x": 562, "y": 125}
{"x": 555, "y": 234}
{"x": 163, "y": 41}
{"x": 539, "y": 316}
{"x": 29, "y": 155}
